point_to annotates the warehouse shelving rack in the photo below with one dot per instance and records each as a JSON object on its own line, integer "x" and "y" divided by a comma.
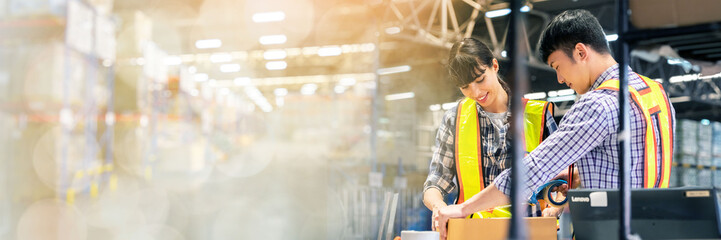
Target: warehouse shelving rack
{"x": 37, "y": 29}
{"x": 626, "y": 40}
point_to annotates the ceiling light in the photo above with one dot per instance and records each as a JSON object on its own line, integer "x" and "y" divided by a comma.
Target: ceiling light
{"x": 536, "y": 95}
{"x": 399, "y": 96}
{"x": 201, "y": 77}
{"x": 349, "y": 81}
{"x": 221, "y": 57}
{"x": 280, "y": 92}
{"x": 393, "y": 30}
{"x": 611, "y": 37}
{"x": 339, "y": 89}
{"x": 504, "y": 12}
{"x": 448, "y": 105}
{"x": 192, "y": 69}
{"x": 329, "y": 51}
{"x": 273, "y": 39}
{"x": 391, "y": 70}
{"x": 227, "y": 68}
{"x": 565, "y": 92}
{"x": 208, "y": 43}
{"x": 276, "y": 65}
{"x": 274, "y": 54}
{"x": 269, "y": 17}
{"x": 308, "y": 89}
{"x": 242, "y": 81}
{"x": 172, "y": 60}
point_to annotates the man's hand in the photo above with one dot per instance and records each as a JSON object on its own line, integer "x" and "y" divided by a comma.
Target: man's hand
{"x": 552, "y": 211}
{"x": 441, "y": 216}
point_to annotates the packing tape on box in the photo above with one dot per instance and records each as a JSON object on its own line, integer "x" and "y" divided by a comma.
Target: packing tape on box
{"x": 544, "y": 192}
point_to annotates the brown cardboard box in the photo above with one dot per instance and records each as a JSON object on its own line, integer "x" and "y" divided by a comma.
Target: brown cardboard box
{"x": 673, "y": 13}
{"x": 539, "y": 228}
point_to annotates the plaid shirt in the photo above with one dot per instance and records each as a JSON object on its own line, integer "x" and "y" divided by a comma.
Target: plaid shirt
{"x": 587, "y": 135}
{"x": 495, "y": 155}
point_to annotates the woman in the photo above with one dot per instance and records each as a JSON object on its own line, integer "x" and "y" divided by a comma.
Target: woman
{"x": 475, "y": 131}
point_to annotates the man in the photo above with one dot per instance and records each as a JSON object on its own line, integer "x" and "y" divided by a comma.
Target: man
{"x": 574, "y": 45}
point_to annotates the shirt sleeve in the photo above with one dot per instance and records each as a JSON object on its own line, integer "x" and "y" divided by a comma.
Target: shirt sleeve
{"x": 551, "y": 125}
{"x": 583, "y": 128}
{"x": 442, "y": 169}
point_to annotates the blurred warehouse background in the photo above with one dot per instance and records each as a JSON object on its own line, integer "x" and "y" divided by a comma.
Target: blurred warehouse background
{"x": 273, "y": 119}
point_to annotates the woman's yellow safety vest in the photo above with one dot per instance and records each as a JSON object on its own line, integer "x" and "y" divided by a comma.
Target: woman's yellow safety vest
{"x": 469, "y": 166}
{"x": 653, "y": 102}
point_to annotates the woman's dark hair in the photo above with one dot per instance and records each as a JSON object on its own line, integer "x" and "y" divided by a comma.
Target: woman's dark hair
{"x": 569, "y": 28}
{"x": 468, "y": 60}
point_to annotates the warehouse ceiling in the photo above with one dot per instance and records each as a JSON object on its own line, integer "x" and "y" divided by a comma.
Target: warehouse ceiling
{"x": 407, "y": 32}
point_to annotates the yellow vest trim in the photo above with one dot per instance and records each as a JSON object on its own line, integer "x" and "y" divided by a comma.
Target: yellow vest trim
{"x": 469, "y": 166}
{"x": 468, "y": 150}
{"x": 653, "y": 101}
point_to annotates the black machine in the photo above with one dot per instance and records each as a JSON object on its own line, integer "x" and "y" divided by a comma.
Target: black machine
{"x": 670, "y": 213}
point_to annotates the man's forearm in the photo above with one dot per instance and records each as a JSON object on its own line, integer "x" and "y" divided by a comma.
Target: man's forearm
{"x": 488, "y": 198}
{"x": 433, "y": 198}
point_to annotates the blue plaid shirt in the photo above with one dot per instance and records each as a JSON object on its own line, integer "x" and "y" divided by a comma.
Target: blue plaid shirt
{"x": 496, "y": 149}
{"x": 587, "y": 135}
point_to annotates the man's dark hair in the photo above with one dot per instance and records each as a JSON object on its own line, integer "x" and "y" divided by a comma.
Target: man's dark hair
{"x": 569, "y": 28}
{"x": 468, "y": 60}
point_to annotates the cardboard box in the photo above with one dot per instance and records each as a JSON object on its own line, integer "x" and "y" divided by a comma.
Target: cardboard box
{"x": 539, "y": 228}
{"x": 673, "y": 13}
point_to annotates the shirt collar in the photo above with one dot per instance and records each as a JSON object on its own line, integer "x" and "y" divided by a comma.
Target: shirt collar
{"x": 610, "y": 73}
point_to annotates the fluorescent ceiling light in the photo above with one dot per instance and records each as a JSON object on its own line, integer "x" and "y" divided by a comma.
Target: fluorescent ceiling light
{"x": 393, "y": 30}
{"x": 221, "y": 57}
{"x": 227, "y": 68}
{"x": 504, "y": 12}
{"x": 208, "y": 43}
{"x": 192, "y": 69}
{"x": 269, "y": 17}
{"x": 276, "y": 65}
{"x": 280, "y": 92}
{"x": 308, "y": 89}
{"x": 449, "y": 105}
{"x": 273, "y": 39}
{"x": 339, "y": 89}
{"x": 536, "y": 95}
{"x": 329, "y": 51}
{"x": 242, "y": 81}
{"x": 172, "y": 60}
{"x": 391, "y": 70}
{"x": 201, "y": 77}
{"x": 274, "y": 54}
{"x": 367, "y": 47}
{"x": 348, "y": 81}
{"x": 565, "y": 92}
{"x": 612, "y": 37}
{"x": 562, "y": 98}
{"x": 435, "y": 107}
{"x": 399, "y": 96}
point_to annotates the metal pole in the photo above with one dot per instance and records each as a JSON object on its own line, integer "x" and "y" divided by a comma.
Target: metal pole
{"x": 518, "y": 79}
{"x": 624, "y": 145}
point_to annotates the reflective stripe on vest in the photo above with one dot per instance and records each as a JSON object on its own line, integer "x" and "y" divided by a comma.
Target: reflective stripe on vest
{"x": 469, "y": 167}
{"x": 652, "y": 101}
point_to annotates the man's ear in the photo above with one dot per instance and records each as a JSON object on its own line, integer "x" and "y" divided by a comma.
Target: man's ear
{"x": 580, "y": 52}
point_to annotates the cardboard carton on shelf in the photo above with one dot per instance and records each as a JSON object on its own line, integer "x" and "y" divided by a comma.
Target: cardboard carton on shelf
{"x": 673, "y": 13}
{"x": 539, "y": 228}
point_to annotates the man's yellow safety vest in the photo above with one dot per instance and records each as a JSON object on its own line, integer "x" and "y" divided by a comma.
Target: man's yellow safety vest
{"x": 653, "y": 102}
{"x": 469, "y": 165}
